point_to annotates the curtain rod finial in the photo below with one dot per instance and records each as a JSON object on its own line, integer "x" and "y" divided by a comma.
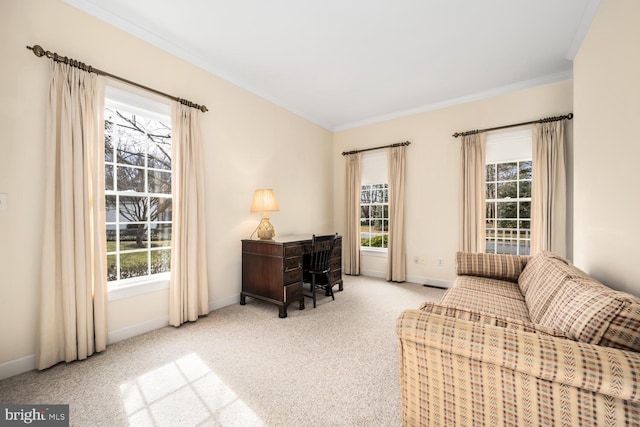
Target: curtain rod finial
{"x": 37, "y": 50}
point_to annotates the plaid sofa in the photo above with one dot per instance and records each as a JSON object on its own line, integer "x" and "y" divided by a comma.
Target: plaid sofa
{"x": 521, "y": 341}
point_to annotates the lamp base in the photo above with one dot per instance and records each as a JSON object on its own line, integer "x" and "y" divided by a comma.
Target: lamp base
{"x": 265, "y": 229}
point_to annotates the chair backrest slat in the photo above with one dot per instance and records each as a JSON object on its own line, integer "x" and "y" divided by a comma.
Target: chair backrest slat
{"x": 321, "y": 249}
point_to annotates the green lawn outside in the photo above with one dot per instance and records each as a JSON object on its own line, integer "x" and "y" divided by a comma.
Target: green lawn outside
{"x": 375, "y": 242}
{"x": 134, "y": 264}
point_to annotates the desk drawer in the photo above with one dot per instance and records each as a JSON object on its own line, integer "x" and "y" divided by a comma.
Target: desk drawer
{"x": 292, "y": 263}
{"x": 290, "y": 251}
{"x": 293, "y": 292}
{"x": 292, "y": 276}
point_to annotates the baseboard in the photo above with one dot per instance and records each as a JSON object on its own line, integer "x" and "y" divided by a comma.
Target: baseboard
{"x": 137, "y": 329}
{"x": 17, "y": 366}
{"x": 373, "y": 273}
{"x": 161, "y": 322}
{"x": 218, "y": 304}
{"x": 438, "y": 283}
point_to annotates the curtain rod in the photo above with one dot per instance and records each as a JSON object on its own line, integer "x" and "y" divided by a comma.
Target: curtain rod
{"x": 40, "y": 52}
{"x": 399, "y": 144}
{"x": 545, "y": 120}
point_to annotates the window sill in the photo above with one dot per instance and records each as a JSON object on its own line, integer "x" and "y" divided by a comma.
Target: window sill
{"x": 130, "y": 288}
{"x": 374, "y": 252}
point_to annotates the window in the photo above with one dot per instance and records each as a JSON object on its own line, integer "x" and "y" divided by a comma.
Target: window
{"x": 508, "y": 194}
{"x": 374, "y": 216}
{"x": 138, "y": 197}
{"x": 374, "y": 202}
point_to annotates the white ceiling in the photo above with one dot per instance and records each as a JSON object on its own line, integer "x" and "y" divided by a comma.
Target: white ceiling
{"x": 345, "y": 63}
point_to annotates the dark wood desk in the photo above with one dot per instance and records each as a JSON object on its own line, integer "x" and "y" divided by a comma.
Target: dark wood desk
{"x": 272, "y": 269}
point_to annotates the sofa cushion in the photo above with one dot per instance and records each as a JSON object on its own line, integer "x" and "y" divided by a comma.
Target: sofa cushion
{"x": 490, "y": 303}
{"x": 489, "y": 319}
{"x": 530, "y": 272}
{"x": 537, "y": 264}
{"x": 583, "y": 309}
{"x": 490, "y": 286}
{"x": 495, "y": 266}
{"x": 541, "y": 279}
{"x": 624, "y": 330}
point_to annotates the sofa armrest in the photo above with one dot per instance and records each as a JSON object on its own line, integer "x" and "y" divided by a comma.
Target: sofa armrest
{"x": 493, "y": 266}
{"x": 595, "y": 368}
{"x": 462, "y": 372}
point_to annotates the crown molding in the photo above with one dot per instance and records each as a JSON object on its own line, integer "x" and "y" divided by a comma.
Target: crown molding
{"x": 552, "y": 78}
{"x": 182, "y": 53}
{"x": 583, "y": 28}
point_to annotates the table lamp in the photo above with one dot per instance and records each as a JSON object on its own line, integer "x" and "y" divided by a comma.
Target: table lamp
{"x": 264, "y": 201}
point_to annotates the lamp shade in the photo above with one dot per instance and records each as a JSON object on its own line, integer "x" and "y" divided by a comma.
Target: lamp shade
{"x": 264, "y": 201}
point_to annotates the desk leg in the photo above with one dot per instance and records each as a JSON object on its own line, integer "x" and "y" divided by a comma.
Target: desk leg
{"x": 340, "y": 288}
{"x": 243, "y": 300}
{"x": 282, "y": 311}
{"x": 301, "y": 307}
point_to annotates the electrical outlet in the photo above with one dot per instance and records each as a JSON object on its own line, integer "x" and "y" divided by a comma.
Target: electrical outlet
{"x": 4, "y": 202}
{"x": 440, "y": 262}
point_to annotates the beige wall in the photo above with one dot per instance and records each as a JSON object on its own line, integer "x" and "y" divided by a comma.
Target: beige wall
{"x": 432, "y": 169}
{"x": 607, "y": 149}
{"x": 249, "y": 143}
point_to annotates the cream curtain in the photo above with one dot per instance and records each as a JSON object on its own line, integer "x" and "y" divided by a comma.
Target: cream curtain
{"x": 397, "y": 257}
{"x": 73, "y": 286}
{"x": 549, "y": 192}
{"x": 351, "y": 239}
{"x": 472, "y": 193}
{"x": 189, "y": 288}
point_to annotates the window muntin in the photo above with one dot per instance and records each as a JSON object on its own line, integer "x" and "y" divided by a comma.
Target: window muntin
{"x": 374, "y": 216}
{"x": 138, "y": 199}
{"x": 508, "y": 207}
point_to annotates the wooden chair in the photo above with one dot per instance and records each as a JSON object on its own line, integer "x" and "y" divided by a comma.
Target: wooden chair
{"x": 316, "y": 270}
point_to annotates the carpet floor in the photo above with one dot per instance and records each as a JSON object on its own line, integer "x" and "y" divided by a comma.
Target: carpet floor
{"x": 336, "y": 365}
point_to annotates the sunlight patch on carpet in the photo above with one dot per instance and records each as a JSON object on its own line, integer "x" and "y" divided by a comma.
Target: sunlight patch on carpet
{"x": 184, "y": 392}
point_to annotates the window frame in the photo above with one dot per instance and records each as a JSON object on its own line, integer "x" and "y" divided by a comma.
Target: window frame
{"x": 123, "y": 99}
{"x": 374, "y": 172}
{"x": 519, "y": 230}
{"x": 384, "y": 207}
